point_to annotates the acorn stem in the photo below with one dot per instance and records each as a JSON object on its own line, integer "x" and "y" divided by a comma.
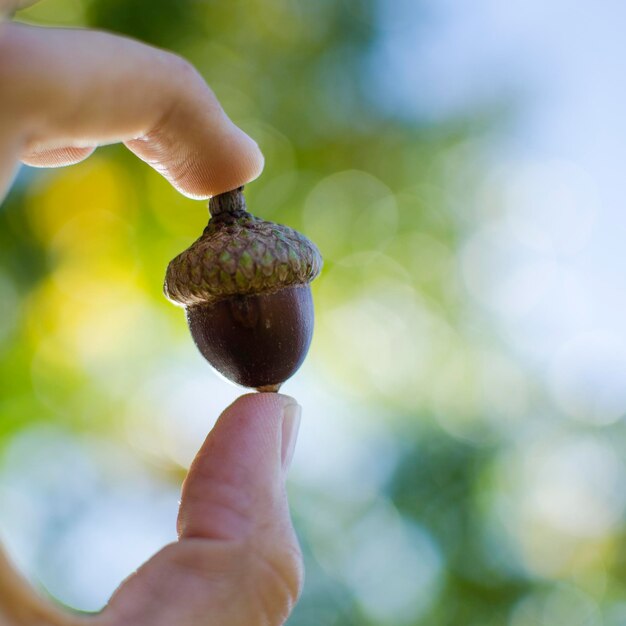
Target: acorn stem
{"x": 230, "y": 202}
{"x": 269, "y": 388}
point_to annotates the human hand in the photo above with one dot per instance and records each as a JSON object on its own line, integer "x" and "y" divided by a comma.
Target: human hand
{"x": 237, "y": 561}
{"x": 64, "y": 92}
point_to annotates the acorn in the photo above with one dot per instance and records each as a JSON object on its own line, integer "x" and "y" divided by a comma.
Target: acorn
{"x": 245, "y": 287}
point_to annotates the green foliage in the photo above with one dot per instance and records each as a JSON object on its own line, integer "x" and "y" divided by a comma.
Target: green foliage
{"x": 398, "y": 339}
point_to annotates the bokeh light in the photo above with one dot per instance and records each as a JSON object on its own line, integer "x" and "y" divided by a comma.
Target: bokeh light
{"x": 461, "y": 455}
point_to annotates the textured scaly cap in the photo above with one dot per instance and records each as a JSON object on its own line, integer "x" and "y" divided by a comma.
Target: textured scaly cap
{"x": 239, "y": 254}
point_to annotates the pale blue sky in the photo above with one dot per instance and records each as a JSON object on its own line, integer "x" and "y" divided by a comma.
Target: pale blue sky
{"x": 562, "y": 65}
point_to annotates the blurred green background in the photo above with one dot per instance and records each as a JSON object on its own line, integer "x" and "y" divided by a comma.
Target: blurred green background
{"x": 442, "y": 477}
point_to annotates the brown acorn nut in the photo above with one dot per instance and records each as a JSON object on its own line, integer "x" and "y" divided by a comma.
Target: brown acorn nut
{"x": 245, "y": 286}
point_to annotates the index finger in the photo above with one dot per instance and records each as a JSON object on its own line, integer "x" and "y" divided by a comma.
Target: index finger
{"x": 65, "y": 91}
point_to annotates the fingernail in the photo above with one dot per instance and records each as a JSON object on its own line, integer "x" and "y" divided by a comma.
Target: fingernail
{"x": 291, "y": 426}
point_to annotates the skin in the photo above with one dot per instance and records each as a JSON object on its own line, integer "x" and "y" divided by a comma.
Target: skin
{"x": 237, "y": 561}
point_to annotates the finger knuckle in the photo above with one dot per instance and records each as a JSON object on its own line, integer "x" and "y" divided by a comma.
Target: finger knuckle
{"x": 183, "y": 70}
{"x": 281, "y": 573}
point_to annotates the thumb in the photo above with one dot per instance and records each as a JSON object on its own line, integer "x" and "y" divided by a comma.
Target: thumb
{"x": 236, "y": 484}
{"x": 235, "y": 497}
{"x": 238, "y": 560}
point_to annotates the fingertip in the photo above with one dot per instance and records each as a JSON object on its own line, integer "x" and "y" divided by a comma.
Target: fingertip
{"x": 251, "y": 158}
{"x": 260, "y": 403}
{"x": 238, "y": 475}
{"x": 233, "y": 160}
{"x": 56, "y": 157}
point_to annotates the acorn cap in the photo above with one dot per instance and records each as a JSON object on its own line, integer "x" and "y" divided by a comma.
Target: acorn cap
{"x": 239, "y": 254}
